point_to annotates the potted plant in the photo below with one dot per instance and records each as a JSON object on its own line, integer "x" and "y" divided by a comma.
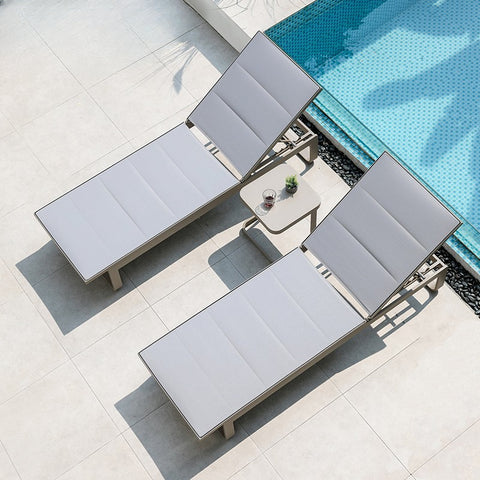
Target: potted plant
{"x": 291, "y": 184}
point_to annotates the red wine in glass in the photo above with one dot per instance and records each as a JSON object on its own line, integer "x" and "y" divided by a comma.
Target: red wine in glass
{"x": 269, "y": 201}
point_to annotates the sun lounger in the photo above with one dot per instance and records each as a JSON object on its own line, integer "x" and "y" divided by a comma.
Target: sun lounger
{"x": 132, "y": 206}
{"x": 245, "y": 346}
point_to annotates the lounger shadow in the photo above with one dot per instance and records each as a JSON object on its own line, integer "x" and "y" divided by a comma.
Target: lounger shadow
{"x": 378, "y": 242}
{"x": 240, "y": 130}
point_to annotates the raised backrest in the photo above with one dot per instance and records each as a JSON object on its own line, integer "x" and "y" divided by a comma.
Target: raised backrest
{"x": 253, "y": 103}
{"x": 381, "y": 232}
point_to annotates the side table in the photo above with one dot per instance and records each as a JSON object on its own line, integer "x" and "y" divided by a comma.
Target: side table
{"x": 288, "y": 210}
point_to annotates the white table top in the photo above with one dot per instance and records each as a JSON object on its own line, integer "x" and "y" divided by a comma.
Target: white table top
{"x": 288, "y": 208}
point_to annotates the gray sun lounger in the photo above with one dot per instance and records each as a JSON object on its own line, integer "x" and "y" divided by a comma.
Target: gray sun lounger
{"x": 245, "y": 346}
{"x": 114, "y": 217}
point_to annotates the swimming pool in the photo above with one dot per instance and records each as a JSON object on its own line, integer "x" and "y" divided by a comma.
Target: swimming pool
{"x": 402, "y": 76}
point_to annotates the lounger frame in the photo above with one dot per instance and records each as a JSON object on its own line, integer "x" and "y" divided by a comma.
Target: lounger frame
{"x": 430, "y": 272}
{"x": 292, "y": 147}
{"x": 434, "y": 271}
{"x": 293, "y": 144}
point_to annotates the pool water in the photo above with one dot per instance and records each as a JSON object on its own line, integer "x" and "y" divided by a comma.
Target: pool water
{"x": 402, "y": 76}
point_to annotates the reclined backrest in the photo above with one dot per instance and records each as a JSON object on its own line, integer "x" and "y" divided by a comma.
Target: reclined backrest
{"x": 381, "y": 232}
{"x": 253, "y": 103}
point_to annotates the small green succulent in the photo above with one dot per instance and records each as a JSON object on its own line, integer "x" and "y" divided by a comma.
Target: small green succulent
{"x": 291, "y": 181}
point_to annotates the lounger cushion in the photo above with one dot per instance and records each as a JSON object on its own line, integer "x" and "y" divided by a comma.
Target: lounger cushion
{"x": 253, "y": 103}
{"x": 380, "y": 233}
{"x": 138, "y": 198}
{"x": 239, "y": 347}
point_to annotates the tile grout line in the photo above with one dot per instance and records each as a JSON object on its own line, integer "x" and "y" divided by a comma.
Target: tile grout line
{"x": 84, "y": 88}
{"x": 202, "y": 23}
{"x": 76, "y": 172}
{"x": 446, "y": 445}
{"x": 374, "y": 370}
{"x": 99, "y": 339}
{"x": 96, "y": 398}
{"x": 339, "y": 395}
{"x": 274, "y": 469}
{"x": 45, "y": 323}
{"x": 10, "y": 458}
{"x": 188, "y": 281}
{"x": 377, "y": 435}
{"x": 87, "y": 457}
{"x": 37, "y": 380}
{"x": 135, "y": 453}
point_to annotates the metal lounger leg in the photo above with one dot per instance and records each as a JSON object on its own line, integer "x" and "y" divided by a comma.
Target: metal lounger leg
{"x": 313, "y": 150}
{"x": 115, "y": 278}
{"x": 313, "y": 221}
{"x": 228, "y": 429}
{"x": 440, "y": 279}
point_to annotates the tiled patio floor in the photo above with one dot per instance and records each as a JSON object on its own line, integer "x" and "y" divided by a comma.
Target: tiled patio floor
{"x": 83, "y": 83}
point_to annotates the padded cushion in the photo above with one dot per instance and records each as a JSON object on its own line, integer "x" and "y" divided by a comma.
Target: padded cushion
{"x": 381, "y": 232}
{"x": 233, "y": 351}
{"x": 256, "y": 99}
{"x": 115, "y": 212}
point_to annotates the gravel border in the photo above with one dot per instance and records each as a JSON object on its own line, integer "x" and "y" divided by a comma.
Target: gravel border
{"x": 461, "y": 281}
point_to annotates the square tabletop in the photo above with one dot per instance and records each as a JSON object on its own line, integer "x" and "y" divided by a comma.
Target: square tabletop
{"x": 289, "y": 208}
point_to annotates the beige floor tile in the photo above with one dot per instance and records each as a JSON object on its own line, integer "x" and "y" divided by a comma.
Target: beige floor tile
{"x": 26, "y": 248}
{"x": 45, "y": 82}
{"x": 275, "y": 246}
{"x": 248, "y": 259}
{"x": 197, "y": 59}
{"x": 96, "y": 167}
{"x": 162, "y": 127}
{"x": 29, "y": 349}
{"x": 425, "y": 314}
{"x": 115, "y": 461}
{"x": 21, "y": 172}
{"x": 80, "y": 314}
{"x": 7, "y": 470}
{"x": 72, "y": 136}
{"x": 169, "y": 449}
{"x": 172, "y": 263}
{"x": 460, "y": 460}
{"x": 6, "y": 128}
{"x": 330, "y": 198}
{"x": 335, "y": 444}
{"x": 427, "y": 395}
{"x": 223, "y": 224}
{"x": 148, "y": 19}
{"x": 198, "y": 293}
{"x": 10, "y": 286}
{"x": 141, "y": 95}
{"x": 289, "y": 408}
{"x": 54, "y": 424}
{"x": 116, "y": 374}
{"x": 260, "y": 468}
{"x": 91, "y": 39}
{"x": 263, "y": 15}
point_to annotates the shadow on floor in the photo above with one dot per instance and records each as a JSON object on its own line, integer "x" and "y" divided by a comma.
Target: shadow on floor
{"x": 177, "y": 453}
{"x": 169, "y": 442}
{"x": 69, "y": 300}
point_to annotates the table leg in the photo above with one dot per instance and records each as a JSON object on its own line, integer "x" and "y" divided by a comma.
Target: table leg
{"x": 313, "y": 220}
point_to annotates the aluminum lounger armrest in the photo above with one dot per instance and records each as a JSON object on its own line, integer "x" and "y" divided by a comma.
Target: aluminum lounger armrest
{"x": 236, "y": 352}
{"x": 119, "y": 214}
